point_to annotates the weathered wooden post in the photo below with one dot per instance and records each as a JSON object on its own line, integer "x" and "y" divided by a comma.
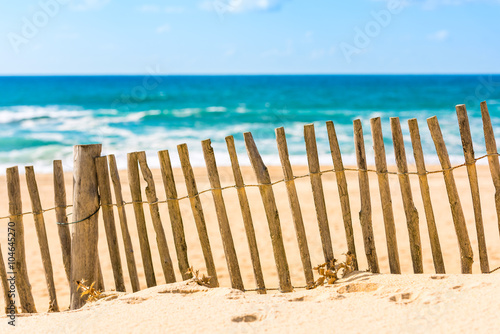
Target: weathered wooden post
{"x": 84, "y": 263}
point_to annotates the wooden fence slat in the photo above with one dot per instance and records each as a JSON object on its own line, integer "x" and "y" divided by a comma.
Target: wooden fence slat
{"x": 342, "y": 190}
{"x": 247, "y": 216}
{"x": 8, "y": 297}
{"x": 451, "y": 187}
{"x": 198, "y": 215}
{"x": 418, "y": 153}
{"x": 385, "y": 195}
{"x": 62, "y": 228}
{"x": 161, "y": 240}
{"x": 220, "y": 208}
{"x": 109, "y": 221}
{"x": 174, "y": 214}
{"x": 41, "y": 233}
{"x": 295, "y": 206}
{"x": 365, "y": 214}
{"x": 463, "y": 123}
{"x": 269, "y": 202}
{"x": 411, "y": 213}
{"x": 127, "y": 241}
{"x": 15, "y": 210}
{"x": 135, "y": 190}
{"x": 85, "y": 264}
{"x": 317, "y": 190}
{"x": 491, "y": 150}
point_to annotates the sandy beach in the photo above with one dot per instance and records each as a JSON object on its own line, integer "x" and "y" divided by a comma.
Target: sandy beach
{"x": 388, "y": 303}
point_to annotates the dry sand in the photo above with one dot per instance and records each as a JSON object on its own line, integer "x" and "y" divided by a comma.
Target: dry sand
{"x": 381, "y": 303}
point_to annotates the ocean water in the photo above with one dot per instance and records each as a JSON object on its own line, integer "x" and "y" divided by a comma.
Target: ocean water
{"x": 41, "y": 118}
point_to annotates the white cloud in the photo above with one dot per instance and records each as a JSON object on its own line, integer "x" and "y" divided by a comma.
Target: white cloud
{"x": 163, "y": 29}
{"x": 439, "y": 36}
{"x": 240, "y": 6}
{"x": 84, "y": 5}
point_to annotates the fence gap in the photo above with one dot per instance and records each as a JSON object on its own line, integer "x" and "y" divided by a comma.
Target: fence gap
{"x": 385, "y": 195}
{"x": 247, "y": 216}
{"x": 451, "y": 187}
{"x": 174, "y": 214}
{"x": 135, "y": 191}
{"x": 437, "y": 254}
{"x": 127, "y": 242}
{"x": 41, "y": 233}
{"x": 365, "y": 214}
{"x": 109, "y": 221}
{"x": 470, "y": 162}
{"x": 198, "y": 215}
{"x": 269, "y": 202}
{"x": 294, "y": 206}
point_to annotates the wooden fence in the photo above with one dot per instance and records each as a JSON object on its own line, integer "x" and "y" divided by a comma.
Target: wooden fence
{"x": 96, "y": 178}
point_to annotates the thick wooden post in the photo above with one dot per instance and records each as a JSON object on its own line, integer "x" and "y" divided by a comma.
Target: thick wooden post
{"x": 317, "y": 190}
{"x": 109, "y": 221}
{"x": 41, "y": 233}
{"x": 61, "y": 218}
{"x": 127, "y": 241}
{"x": 455, "y": 205}
{"x": 269, "y": 202}
{"x": 199, "y": 216}
{"x": 84, "y": 264}
{"x": 418, "y": 153}
{"x": 21, "y": 270}
{"x": 342, "y": 189}
{"x": 411, "y": 212}
{"x": 10, "y": 301}
{"x": 247, "y": 216}
{"x": 220, "y": 208}
{"x": 491, "y": 149}
{"x": 385, "y": 195}
{"x": 293, "y": 199}
{"x": 463, "y": 123}
{"x": 365, "y": 214}
{"x": 175, "y": 214}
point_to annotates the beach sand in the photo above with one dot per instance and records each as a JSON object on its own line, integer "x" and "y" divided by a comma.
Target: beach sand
{"x": 388, "y": 303}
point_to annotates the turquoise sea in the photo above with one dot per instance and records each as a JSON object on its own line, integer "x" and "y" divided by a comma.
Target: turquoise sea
{"x": 42, "y": 117}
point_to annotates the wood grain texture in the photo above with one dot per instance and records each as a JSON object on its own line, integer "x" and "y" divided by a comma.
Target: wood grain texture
{"x": 220, "y": 208}
{"x": 385, "y": 195}
{"x": 60, "y": 204}
{"x": 8, "y": 297}
{"x": 135, "y": 190}
{"x": 466, "y": 254}
{"x": 174, "y": 214}
{"x": 127, "y": 241}
{"x": 272, "y": 215}
{"x": 365, "y": 214}
{"x": 84, "y": 255}
{"x": 317, "y": 190}
{"x": 41, "y": 232}
{"x": 247, "y": 216}
{"x": 411, "y": 213}
{"x": 161, "y": 240}
{"x": 463, "y": 123}
{"x": 293, "y": 199}
{"x": 342, "y": 190}
{"x": 198, "y": 214}
{"x": 109, "y": 221}
{"x": 418, "y": 154}
{"x": 491, "y": 150}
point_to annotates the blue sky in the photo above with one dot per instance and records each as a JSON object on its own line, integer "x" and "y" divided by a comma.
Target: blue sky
{"x": 249, "y": 36}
